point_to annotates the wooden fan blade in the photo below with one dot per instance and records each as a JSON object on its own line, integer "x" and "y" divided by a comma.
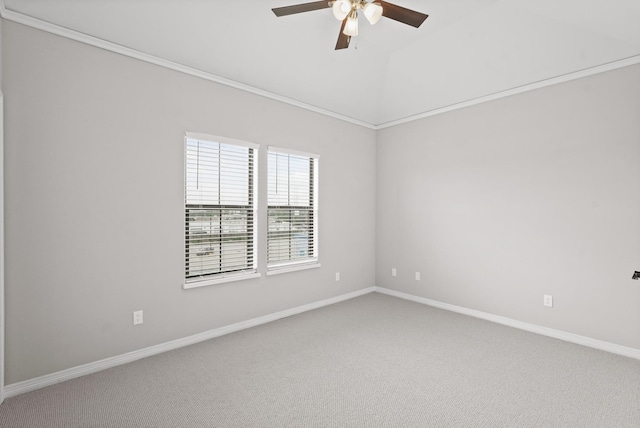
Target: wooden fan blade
{"x": 299, "y": 8}
{"x": 402, "y": 14}
{"x": 343, "y": 39}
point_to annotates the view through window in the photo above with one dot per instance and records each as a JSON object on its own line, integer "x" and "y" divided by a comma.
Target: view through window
{"x": 219, "y": 207}
{"x": 292, "y": 208}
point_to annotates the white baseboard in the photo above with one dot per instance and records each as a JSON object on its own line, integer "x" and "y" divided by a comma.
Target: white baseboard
{"x": 545, "y": 331}
{"x": 85, "y": 369}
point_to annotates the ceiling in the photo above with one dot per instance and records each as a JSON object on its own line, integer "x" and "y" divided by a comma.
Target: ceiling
{"x": 465, "y": 50}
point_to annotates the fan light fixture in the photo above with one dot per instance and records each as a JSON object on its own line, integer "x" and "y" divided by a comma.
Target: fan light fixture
{"x": 341, "y": 9}
{"x": 346, "y": 11}
{"x": 373, "y": 12}
{"x": 351, "y": 27}
{"x": 349, "y": 9}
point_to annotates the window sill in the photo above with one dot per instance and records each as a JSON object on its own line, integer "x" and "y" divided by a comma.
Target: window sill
{"x": 292, "y": 268}
{"x": 220, "y": 280}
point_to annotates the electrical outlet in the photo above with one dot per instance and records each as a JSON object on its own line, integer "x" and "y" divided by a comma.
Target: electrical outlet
{"x": 394, "y": 272}
{"x": 337, "y": 276}
{"x": 417, "y": 276}
{"x": 137, "y": 317}
{"x": 548, "y": 300}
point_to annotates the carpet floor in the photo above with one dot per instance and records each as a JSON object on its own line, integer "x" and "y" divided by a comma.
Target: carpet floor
{"x": 372, "y": 361}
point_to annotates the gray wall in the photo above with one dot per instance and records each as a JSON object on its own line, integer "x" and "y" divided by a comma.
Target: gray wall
{"x": 1, "y": 227}
{"x": 94, "y": 203}
{"x": 495, "y": 204}
{"x": 532, "y": 194}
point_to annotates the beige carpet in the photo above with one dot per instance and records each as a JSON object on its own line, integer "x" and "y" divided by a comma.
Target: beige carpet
{"x": 374, "y": 361}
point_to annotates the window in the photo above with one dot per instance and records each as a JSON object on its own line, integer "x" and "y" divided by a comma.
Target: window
{"x": 219, "y": 210}
{"x": 292, "y": 236}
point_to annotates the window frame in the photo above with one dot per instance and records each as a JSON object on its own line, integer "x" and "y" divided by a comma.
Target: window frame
{"x": 310, "y": 262}
{"x": 251, "y": 210}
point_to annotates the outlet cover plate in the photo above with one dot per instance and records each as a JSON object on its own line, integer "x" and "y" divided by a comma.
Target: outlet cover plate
{"x": 137, "y": 318}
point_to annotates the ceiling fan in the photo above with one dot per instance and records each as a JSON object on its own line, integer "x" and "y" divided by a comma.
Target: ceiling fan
{"x": 347, "y": 12}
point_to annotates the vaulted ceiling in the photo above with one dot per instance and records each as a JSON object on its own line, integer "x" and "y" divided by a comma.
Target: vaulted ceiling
{"x": 466, "y": 50}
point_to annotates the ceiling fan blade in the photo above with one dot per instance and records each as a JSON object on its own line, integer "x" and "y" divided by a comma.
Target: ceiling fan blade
{"x": 299, "y": 8}
{"x": 402, "y": 14}
{"x": 343, "y": 39}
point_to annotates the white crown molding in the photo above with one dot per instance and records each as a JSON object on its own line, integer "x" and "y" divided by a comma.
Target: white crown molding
{"x": 123, "y": 50}
{"x": 514, "y": 91}
{"x": 132, "y": 53}
{"x": 545, "y": 331}
{"x": 51, "y": 379}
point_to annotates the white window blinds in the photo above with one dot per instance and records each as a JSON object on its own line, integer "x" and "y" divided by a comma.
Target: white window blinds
{"x": 219, "y": 207}
{"x": 292, "y": 236}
